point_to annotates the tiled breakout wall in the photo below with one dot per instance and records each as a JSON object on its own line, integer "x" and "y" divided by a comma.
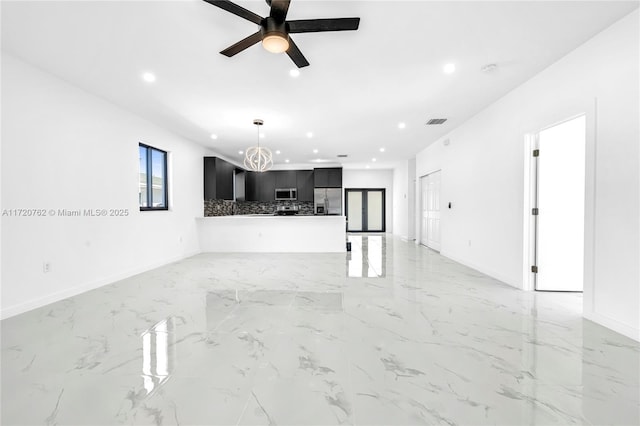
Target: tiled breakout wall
{"x": 228, "y": 207}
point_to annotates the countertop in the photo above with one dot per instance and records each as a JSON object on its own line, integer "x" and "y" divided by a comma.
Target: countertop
{"x": 264, "y": 215}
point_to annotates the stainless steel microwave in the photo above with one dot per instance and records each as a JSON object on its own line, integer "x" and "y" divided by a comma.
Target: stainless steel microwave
{"x": 284, "y": 194}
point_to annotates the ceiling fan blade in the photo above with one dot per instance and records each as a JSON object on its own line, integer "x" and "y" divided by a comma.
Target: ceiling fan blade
{"x": 296, "y": 55}
{"x": 236, "y": 10}
{"x": 242, "y": 44}
{"x": 279, "y": 9}
{"x": 318, "y": 25}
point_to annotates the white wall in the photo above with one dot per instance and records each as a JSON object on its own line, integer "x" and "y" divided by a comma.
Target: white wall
{"x": 63, "y": 148}
{"x": 483, "y": 168}
{"x": 382, "y": 178}
{"x": 401, "y": 197}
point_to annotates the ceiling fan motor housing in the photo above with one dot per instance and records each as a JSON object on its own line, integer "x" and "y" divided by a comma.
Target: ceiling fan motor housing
{"x": 271, "y": 27}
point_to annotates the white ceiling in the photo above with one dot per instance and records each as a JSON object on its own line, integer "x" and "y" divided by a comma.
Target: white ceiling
{"x": 359, "y": 86}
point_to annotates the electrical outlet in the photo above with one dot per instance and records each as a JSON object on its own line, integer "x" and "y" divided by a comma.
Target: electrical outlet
{"x": 46, "y": 267}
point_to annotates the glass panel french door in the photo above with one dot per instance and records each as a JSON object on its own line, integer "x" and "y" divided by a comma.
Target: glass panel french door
{"x": 365, "y": 210}
{"x": 375, "y": 210}
{"x": 354, "y": 211}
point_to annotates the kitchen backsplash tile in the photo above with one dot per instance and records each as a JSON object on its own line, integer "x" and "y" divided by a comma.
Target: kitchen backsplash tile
{"x": 219, "y": 207}
{"x": 228, "y": 208}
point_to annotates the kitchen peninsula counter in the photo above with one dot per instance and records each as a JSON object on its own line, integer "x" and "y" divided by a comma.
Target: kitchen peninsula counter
{"x": 272, "y": 234}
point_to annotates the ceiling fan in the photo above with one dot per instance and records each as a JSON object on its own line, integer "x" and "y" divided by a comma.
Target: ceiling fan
{"x": 275, "y": 29}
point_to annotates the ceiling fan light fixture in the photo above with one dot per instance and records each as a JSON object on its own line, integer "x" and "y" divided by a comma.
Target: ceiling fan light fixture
{"x": 276, "y": 43}
{"x": 275, "y": 29}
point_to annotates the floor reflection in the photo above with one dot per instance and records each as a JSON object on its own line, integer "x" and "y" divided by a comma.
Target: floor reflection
{"x": 367, "y": 257}
{"x": 158, "y": 354}
{"x": 292, "y": 339}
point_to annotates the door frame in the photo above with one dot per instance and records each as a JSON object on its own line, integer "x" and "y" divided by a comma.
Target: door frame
{"x": 365, "y": 206}
{"x": 530, "y": 197}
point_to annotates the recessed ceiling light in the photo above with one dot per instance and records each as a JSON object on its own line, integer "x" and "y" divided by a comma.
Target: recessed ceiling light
{"x": 286, "y": 161}
{"x": 240, "y": 152}
{"x": 213, "y": 136}
{"x": 262, "y": 136}
{"x": 381, "y": 149}
{"x": 367, "y": 166}
{"x": 294, "y": 72}
{"x": 309, "y": 135}
{"x": 148, "y": 77}
{"x": 449, "y": 68}
{"x": 315, "y": 151}
{"x": 401, "y": 125}
{"x": 373, "y": 159}
{"x": 278, "y": 151}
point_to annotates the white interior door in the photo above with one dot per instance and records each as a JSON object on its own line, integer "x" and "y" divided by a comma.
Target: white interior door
{"x": 560, "y": 222}
{"x": 430, "y": 212}
{"x": 424, "y": 211}
{"x": 433, "y": 206}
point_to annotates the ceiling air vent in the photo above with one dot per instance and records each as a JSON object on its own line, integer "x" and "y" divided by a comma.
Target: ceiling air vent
{"x": 434, "y": 121}
{"x": 342, "y": 155}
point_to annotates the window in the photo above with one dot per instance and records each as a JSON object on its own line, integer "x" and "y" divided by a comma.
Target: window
{"x": 152, "y": 191}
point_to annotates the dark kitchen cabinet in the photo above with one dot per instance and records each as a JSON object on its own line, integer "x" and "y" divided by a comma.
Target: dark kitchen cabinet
{"x": 251, "y": 186}
{"x": 304, "y": 183}
{"x": 335, "y": 178}
{"x": 218, "y": 179}
{"x": 260, "y": 186}
{"x": 320, "y": 178}
{"x": 327, "y": 177}
{"x": 266, "y": 186}
{"x": 285, "y": 178}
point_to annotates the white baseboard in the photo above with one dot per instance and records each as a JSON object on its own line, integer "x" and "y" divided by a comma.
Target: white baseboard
{"x": 615, "y": 325}
{"x": 484, "y": 270}
{"x": 74, "y": 291}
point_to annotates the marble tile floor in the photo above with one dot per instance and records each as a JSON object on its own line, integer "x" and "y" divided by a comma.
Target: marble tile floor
{"x": 389, "y": 334}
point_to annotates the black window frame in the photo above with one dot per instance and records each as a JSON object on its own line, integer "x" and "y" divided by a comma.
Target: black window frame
{"x": 149, "y": 152}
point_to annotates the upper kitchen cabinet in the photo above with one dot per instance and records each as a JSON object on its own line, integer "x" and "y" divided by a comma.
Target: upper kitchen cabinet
{"x": 285, "y": 178}
{"x": 251, "y": 186}
{"x": 260, "y": 186}
{"x": 266, "y": 186}
{"x": 327, "y": 177}
{"x": 218, "y": 179}
{"x": 304, "y": 183}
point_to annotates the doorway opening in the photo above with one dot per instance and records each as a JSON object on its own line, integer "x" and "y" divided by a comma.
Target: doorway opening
{"x": 365, "y": 210}
{"x": 430, "y": 210}
{"x": 556, "y": 207}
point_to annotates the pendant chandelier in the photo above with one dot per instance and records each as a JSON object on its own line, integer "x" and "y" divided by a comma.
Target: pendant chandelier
{"x": 257, "y": 158}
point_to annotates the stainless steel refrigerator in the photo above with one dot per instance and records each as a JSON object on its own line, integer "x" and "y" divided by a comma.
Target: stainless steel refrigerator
{"x": 327, "y": 201}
